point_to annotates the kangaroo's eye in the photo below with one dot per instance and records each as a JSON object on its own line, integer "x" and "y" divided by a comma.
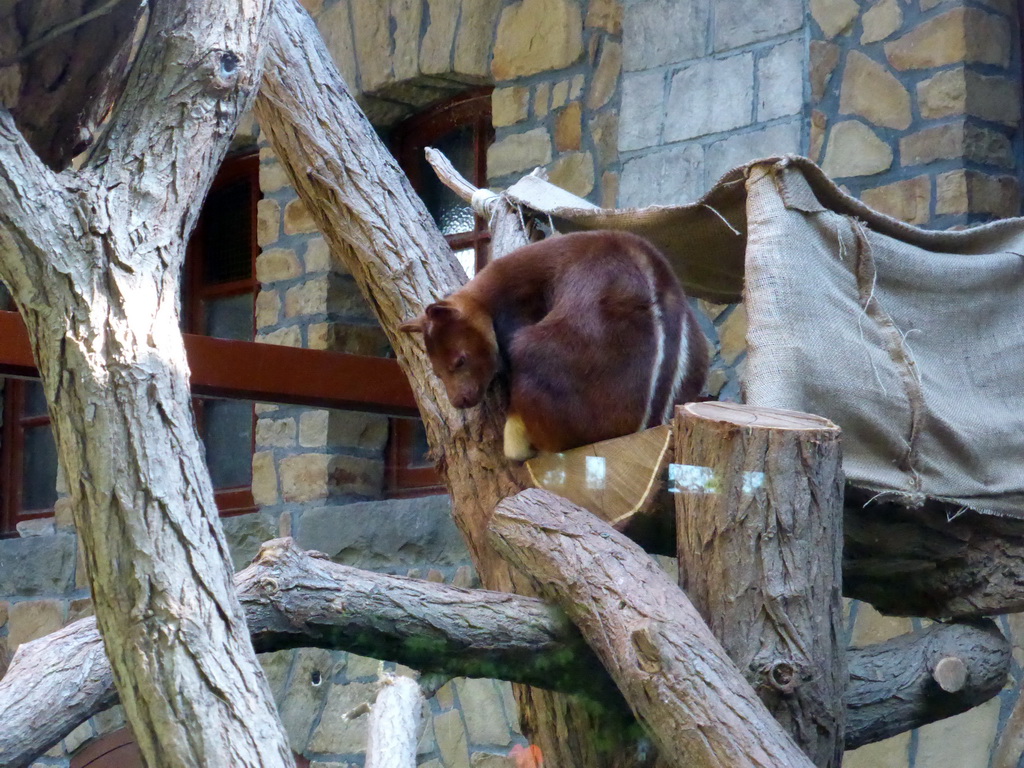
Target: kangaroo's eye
{"x": 460, "y": 363}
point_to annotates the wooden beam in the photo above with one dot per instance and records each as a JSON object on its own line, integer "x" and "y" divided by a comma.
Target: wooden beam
{"x": 246, "y": 370}
{"x": 15, "y": 351}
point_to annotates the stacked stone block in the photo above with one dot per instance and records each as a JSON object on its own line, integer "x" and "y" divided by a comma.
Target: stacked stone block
{"x": 308, "y": 299}
{"x": 917, "y": 106}
{"x": 556, "y": 67}
{"x": 707, "y": 86}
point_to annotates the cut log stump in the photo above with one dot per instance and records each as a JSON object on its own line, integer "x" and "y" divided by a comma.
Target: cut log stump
{"x": 759, "y": 510}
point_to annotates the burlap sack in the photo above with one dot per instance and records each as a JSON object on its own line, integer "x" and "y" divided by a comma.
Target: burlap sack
{"x": 911, "y": 340}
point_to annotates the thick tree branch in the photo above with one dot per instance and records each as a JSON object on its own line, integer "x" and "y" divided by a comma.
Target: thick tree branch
{"x": 936, "y": 561}
{"x": 899, "y": 685}
{"x": 32, "y": 204}
{"x": 71, "y": 70}
{"x": 369, "y": 215}
{"x": 194, "y": 77}
{"x": 297, "y": 599}
{"x": 54, "y": 32}
{"x": 677, "y": 678}
{"x": 104, "y": 328}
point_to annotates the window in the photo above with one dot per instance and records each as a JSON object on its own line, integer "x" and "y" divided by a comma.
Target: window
{"x": 219, "y": 290}
{"x": 219, "y": 295}
{"x": 461, "y": 129}
{"x": 29, "y": 458}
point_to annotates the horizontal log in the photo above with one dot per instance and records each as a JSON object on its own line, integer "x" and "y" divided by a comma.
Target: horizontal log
{"x": 295, "y": 599}
{"x": 919, "y": 678}
{"x": 937, "y": 561}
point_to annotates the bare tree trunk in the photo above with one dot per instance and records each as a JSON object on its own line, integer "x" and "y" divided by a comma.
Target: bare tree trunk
{"x": 676, "y": 677}
{"x": 759, "y": 499}
{"x": 367, "y": 211}
{"x": 93, "y": 260}
{"x": 396, "y": 721}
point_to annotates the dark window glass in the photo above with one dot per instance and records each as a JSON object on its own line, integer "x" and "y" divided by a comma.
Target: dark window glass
{"x": 227, "y": 233}
{"x": 453, "y": 216}
{"x": 35, "y": 400}
{"x": 418, "y": 449}
{"x": 39, "y": 470}
{"x": 218, "y": 300}
{"x": 227, "y": 434}
{"x": 230, "y": 317}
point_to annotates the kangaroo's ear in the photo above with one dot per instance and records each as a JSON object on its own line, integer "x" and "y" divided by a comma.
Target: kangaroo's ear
{"x": 442, "y": 311}
{"x": 416, "y": 325}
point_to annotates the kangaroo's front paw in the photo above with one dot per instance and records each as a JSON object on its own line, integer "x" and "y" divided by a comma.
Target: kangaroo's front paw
{"x": 517, "y": 443}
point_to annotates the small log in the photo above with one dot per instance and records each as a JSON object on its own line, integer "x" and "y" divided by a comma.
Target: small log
{"x": 622, "y": 481}
{"x": 53, "y": 685}
{"x": 759, "y": 497}
{"x": 396, "y": 721}
{"x": 902, "y": 683}
{"x": 675, "y": 676}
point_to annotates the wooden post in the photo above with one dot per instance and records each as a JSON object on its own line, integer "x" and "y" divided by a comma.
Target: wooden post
{"x": 396, "y": 721}
{"x": 759, "y": 496}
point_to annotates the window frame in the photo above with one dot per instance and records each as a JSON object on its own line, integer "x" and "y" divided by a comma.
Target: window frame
{"x": 408, "y": 140}
{"x": 231, "y": 500}
{"x": 229, "y": 369}
{"x": 12, "y": 456}
{"x": 410, "y": 137}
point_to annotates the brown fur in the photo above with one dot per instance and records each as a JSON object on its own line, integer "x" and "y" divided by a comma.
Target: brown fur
{"x": 571, "y": 322}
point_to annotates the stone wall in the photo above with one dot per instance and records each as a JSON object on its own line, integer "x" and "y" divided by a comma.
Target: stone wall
{"x": 470, "y": 722}
{"x": 556, "y": 68}
{"x": 916, "y": 110}
{"x": 917, "y": 106}
{"x": 707, "y": 86}
{"x": 913, "y": 104}
{"x": 308, "y": 299}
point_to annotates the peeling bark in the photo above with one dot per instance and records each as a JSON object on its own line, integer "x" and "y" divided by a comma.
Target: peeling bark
{"x": 297, "y": 599}
{"x": 677, "y": 678}
{"x": 396, "y": 721}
